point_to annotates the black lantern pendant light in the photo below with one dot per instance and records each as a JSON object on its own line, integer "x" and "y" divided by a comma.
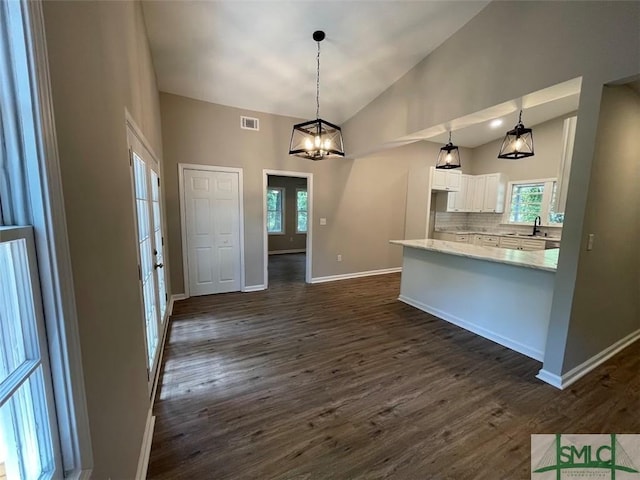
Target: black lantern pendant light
{"x": 449, "y": 156}
{"x": 518, "y": 143}
{"x": 316, "y": 139}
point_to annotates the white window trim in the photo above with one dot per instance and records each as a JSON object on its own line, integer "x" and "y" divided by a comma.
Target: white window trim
{"x": 283, "y": 227}
{"x": 547, "y": 196}
{"x": 37, "y": 355}
{"x": 52, "y": 246}
{"x": 301, "y": 232}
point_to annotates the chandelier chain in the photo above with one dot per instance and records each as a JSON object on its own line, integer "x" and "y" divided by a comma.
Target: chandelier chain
{"x": 318, "y": 84}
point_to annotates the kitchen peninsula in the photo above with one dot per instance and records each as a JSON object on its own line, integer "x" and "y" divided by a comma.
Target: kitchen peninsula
{"x": 500, "y": 294}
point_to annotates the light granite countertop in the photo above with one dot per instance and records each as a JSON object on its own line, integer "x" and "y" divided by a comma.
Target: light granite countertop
{"x": 539, "y": 259}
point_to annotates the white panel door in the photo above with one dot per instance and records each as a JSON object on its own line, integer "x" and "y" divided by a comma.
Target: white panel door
{"x": 212, "y": 210}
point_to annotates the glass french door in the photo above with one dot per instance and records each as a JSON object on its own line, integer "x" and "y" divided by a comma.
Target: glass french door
{"x": 146, "y": 181}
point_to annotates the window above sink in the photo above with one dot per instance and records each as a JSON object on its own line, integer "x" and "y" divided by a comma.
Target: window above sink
{"x": 528, "y": 199}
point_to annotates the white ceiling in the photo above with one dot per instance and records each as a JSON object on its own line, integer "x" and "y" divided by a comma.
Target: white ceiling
{"x": 259, "y": 55}
{"x": 474, "y": 130}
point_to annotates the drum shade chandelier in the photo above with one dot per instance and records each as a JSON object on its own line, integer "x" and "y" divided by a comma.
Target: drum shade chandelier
{"x": 517, "y": 143}
{"x": 316, "y": 139}
{"x": 449, "y": 156}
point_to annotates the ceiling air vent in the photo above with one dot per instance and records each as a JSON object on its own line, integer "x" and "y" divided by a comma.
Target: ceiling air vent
{"x": 248, "y": 123}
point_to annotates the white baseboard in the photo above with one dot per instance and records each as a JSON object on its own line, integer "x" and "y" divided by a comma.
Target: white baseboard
{"x": 295, "y": 250}
{"x": 178, "y": 296}
{"x": 346, "y": 276}
{"x": 253, "y": 288}
{"x": 483, "y": 332}
{"x": 79, "y": 475}
{"x": 145, "y": 450}
{"x": 550, "y": 378}
{"x": 163, "y": 340}
{"x": 581, "y": 370}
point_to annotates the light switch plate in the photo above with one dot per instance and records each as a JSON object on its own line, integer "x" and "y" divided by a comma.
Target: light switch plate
{"x": 590, "y": 241}
{"x": 323, "y": 221}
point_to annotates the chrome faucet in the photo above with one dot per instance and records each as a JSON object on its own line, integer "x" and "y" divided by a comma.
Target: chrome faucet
{"x": 536, "y": 223}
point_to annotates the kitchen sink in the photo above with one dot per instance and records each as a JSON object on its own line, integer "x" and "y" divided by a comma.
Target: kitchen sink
{"x": 529, "y": 235}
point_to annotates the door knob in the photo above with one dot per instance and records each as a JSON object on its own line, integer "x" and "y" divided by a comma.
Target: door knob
{"x": 158, "y": 265}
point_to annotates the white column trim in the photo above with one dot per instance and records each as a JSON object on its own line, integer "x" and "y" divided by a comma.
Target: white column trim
{"x": 576, "y": 373}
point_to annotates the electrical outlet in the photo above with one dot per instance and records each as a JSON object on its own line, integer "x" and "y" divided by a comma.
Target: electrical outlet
{"x": 590, "y": 241}
{"x": 339, "y": 257}
{"x": 291, "y": 239}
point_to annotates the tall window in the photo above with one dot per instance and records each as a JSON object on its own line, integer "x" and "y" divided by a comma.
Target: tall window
{"x": 27, "y": 445}
{"x": 36, "y": 440}
{"x": 301, "y": 210}
{"x": 531, "y": 199}
{"x": 275, "y": 209}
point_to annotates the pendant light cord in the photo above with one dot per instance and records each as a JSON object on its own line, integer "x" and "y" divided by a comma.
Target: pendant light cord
{"x": 318, "y": 85}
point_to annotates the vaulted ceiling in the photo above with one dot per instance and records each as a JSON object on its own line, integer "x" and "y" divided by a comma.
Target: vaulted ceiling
{"x": 260, "y": 55}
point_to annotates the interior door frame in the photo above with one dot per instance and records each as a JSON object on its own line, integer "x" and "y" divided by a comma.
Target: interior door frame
{"x": 183, "y": 216}
{"x": 133, "y": 131}
{"x": 265, "y": 242}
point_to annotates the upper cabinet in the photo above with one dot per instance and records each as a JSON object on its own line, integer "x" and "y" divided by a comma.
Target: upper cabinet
{"x": 457, "y": 201}
{"x": 479, "y": 193}
{"x": 494, "y": 193}
{"x": 446, "y": 180}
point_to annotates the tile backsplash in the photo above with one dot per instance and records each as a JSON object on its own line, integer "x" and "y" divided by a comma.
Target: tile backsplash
{"x": 484, "y": 222}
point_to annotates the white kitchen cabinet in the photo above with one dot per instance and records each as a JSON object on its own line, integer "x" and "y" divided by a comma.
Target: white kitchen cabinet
{"x": 509, "y": 242}
{"x": 522, "y": 243}
{"x": 530, "y": 244}
{"x": 490, "y": 241}
{"x": 446, "y": 180}
{"x": 494, "y": 193}
{"x": 456, "y": 201}
{"x": 470, "y": 192}
{"x": 449, "y": 237}
{"x": 452, "y": 237}
{"x": 480, "y": 182}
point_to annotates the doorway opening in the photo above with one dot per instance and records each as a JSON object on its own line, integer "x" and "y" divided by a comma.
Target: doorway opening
{"x": 287, "y": 227}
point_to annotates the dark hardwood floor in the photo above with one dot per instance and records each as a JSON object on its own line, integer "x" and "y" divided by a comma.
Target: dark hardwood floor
{"x": 342, "y": 381}
{"x": 288, "y": 268}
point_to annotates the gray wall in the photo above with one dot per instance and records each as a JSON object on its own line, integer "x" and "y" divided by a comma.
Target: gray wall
{"x": 100, "y": 63}
{"x": 547, "y": 139}
{"x": 606, "y": 305}
{"x": 363, "y": 200}
{"x": 488, "y": 62}
{"x": 476, "y": 68}
{"x": 290, "y": 240}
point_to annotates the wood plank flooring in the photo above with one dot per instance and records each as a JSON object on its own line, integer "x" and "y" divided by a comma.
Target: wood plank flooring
{"x": 342, "y": 381}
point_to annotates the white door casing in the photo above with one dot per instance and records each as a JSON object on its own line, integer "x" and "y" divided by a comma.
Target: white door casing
{"x": 309, "y": 252}
{"x": 212, "y": 236}
{"x": 150, "y": 238}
